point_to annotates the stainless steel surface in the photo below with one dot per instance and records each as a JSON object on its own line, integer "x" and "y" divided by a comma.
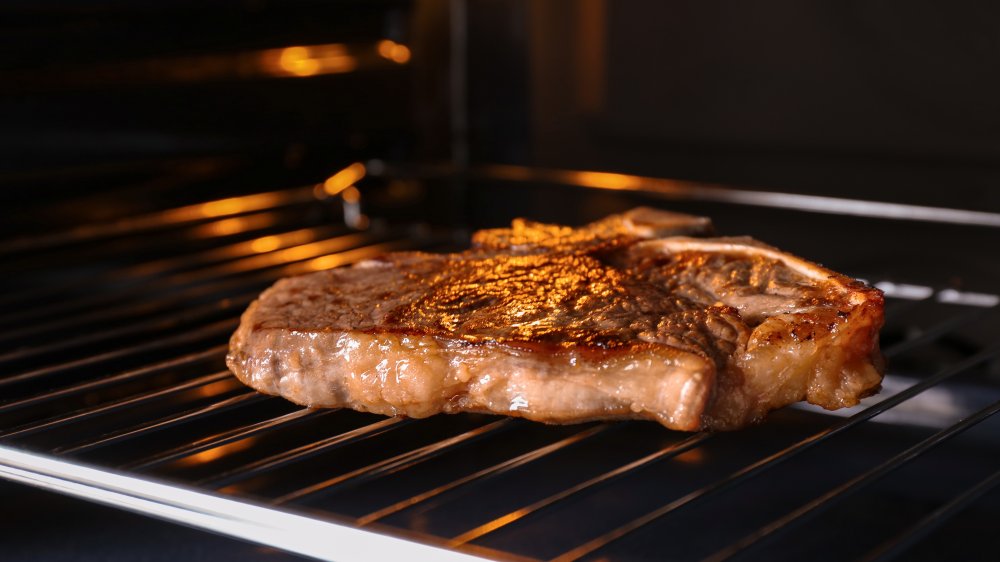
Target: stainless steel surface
{"x": 269, "y": 526}
{"x": 672, "y": 189}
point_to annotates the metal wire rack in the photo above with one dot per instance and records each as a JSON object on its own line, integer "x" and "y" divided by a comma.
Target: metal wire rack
{"x": 114, "y": 389}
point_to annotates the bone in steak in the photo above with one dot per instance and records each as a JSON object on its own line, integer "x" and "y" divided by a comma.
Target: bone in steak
{"x": 628, "y": 317}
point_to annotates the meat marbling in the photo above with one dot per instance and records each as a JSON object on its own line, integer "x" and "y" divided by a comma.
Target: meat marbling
{"x": 628, "y": 317}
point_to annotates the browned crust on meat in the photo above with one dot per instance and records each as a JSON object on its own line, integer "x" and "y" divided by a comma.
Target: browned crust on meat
{"x": 834, "y": 340}
{"x": 678, "y": 330}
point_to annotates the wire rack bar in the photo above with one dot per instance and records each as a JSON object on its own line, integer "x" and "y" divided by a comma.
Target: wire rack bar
{"x": 224, "y": 437}
{"x": 935, "y": 332}
{"x": 215, "y": 329}
{"x": 190, "y": 314}
{"x": 397, "y": 462}
{"x": 308, "y": 536}
{"x": 147, "y": 268}
{"x": 164, "y": 423}
{"x": 908, "y": 539}
{"x": 172, "y": 283}
{"x": 667, "y": 452}
{"x": 95, "y": 384}
{"x": 852, "y": 486}
{"x": 117, "y": 405}
{"x": 771, "y": 461}
{"x": 301, "y": 453}
{"x": 492, "y": 471}
{"x": 177, "y": 216}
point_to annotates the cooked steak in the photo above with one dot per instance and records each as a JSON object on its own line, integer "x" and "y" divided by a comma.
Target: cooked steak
{"x": 618, "y": 319}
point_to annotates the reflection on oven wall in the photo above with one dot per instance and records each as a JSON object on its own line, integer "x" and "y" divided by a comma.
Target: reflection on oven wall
{"x": 299, "y": 84}
{"x": 855, "y": 99}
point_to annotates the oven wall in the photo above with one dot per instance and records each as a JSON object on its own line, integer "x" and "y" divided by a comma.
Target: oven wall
{"x": 854, "y": 99}
{"x": 160, "y": 104}
{"x": 90, "y": 82}
{"x": 858, "y": 99}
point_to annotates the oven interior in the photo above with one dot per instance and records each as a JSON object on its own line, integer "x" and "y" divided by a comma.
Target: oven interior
{"x": 117, "y": 363}
{"x": 156, "y": 191}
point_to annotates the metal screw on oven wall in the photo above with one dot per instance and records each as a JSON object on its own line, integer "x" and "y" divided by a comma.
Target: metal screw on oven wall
{"x": 353, "y": 217}
{"x": 342, "y": 184}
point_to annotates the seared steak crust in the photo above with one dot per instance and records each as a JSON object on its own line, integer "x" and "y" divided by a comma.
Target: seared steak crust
{"x": 616, "y": 319}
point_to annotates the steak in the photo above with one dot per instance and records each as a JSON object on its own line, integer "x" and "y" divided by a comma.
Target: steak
{"x": 629, "y": 317}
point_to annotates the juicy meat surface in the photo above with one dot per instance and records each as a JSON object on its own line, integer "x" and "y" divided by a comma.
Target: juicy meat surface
{"x": 627, "y": 317}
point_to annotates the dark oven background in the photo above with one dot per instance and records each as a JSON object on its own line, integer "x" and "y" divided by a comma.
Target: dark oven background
{"x": 161, "y": 104}
{"x": 857, "y": 99}
{"x": 463, "y": 113}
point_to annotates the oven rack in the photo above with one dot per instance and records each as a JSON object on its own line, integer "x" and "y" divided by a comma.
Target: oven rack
{"x": 115, "y": 390}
